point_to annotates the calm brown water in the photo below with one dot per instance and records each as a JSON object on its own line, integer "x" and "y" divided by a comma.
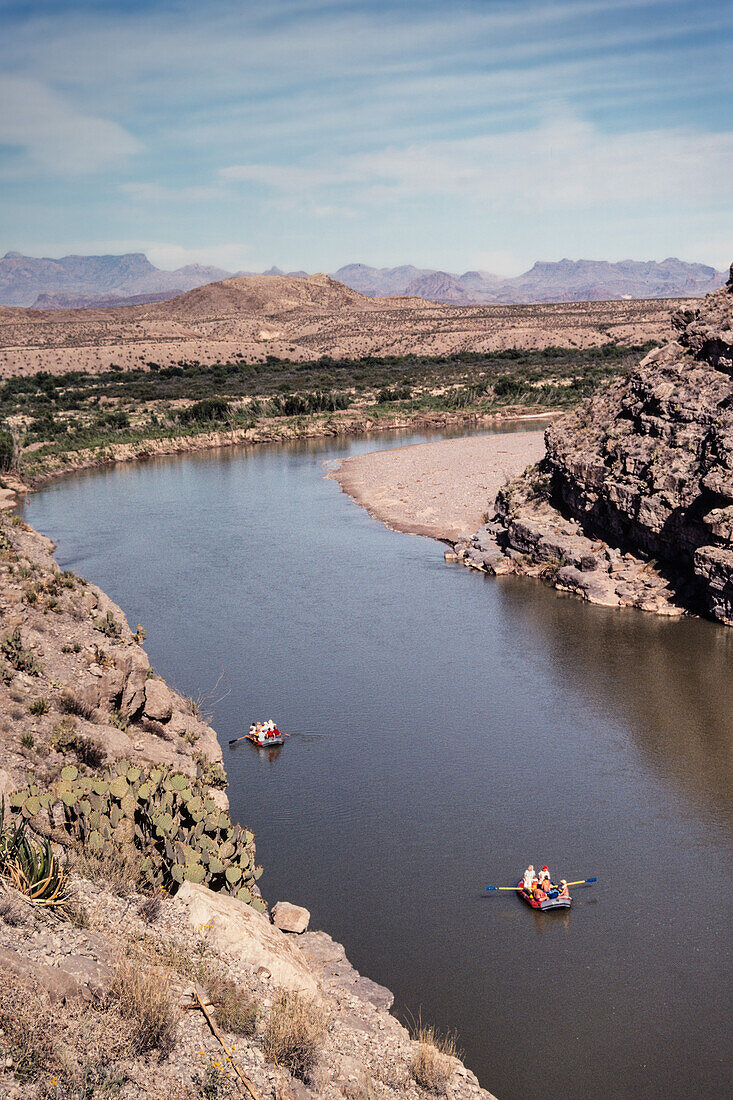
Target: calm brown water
{"x": 447, "y": 728}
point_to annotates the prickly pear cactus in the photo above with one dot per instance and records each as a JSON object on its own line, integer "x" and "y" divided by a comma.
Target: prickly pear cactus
{"x": 169, "y": 816}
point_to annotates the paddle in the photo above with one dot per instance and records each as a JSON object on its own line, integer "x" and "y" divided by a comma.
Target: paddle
{"x": 580, "y": 882}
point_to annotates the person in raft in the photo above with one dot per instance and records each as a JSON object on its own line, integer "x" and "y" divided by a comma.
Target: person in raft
{"x": 547, "y": 884}
{"x": 529, "y": 878}
{"x": 538, "y": 892}
{"x": 564, "y": 892}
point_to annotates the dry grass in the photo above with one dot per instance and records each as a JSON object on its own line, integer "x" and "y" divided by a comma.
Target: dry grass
{"x": 70, "y": 703}
{"x": 149, "y": 909}
{"x": 145, "y": 1001}
{"x": 235, "y": 1011}
{"x": 234, "y": 1008}
{"x": 117, "y": 868}
{"x": 431, "y": 1065}
{"x": 295, "y": 1032}
{"x": 71, "y": 1050}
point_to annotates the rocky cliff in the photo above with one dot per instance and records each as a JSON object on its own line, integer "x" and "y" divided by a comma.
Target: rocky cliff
{"x": 633, "y": 502}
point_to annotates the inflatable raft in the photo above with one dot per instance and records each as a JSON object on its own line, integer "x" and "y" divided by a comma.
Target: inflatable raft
{"x": 267, "y": 742}
{"x": 548, "y": 903}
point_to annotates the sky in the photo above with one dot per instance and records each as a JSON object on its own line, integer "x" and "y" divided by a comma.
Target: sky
{"x": 452, "y": 134}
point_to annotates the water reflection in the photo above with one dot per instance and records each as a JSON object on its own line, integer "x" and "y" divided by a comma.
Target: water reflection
{"x": 668, "y": 682}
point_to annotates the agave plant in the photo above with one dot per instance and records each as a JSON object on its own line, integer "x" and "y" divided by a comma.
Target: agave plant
{"x": 30, "y": 865}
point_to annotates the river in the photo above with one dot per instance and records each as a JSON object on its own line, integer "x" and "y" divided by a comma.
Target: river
{"x": 447, "y": 728}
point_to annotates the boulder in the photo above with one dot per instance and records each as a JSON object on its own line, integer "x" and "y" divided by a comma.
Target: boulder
{"x": 238, "y": 930}
{"x": 158, "y": 704}
{"x": 110, "y": 688}
{"x": 134, "y": 666}
{"x": 290, "y": 918}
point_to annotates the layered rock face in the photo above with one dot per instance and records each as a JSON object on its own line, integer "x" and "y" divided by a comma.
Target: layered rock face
{"x": 633, "y": 503}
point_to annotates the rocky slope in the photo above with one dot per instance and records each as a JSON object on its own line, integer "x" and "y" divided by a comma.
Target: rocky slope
{"x": 76, "y": 680}
{"x": 633, "y": 503}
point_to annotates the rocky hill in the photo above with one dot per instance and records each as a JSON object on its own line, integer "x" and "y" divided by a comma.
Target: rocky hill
{"x": 259, "y": 294}
{"x": 633, "y": 502}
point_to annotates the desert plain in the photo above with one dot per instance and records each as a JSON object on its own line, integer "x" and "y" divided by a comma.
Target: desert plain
{"x": 249, "y": 319}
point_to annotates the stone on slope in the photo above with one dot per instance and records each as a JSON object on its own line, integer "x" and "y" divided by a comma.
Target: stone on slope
{"x": 158, "y": 705}
{"x": 290, "y": 918}
{"x": 237, "y": 929}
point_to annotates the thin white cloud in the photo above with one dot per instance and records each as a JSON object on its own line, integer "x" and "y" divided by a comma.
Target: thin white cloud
{"x": 49, "y": 133}
{"x": 152, "y": 192}
{"x": 563, "y": 163}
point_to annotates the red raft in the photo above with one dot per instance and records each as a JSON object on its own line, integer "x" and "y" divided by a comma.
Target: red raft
{"x": 275, "y": 738}
{"x": 549, "y": 903}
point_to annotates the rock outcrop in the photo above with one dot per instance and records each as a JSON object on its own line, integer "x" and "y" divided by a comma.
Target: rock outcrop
{"x": 75, "y": 682}
{"x": 633, "y": 503}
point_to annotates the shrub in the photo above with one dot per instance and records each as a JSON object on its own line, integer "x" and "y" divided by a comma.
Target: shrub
{"x": 144, "y": 998}
{"x": 39, "y": 706}
{"x": 108, "y": 625}
{"x": 149, "y": 909}
{"x": 7, "y": 450}
{"x": 394, "y": 393}
{"x": 18, "y": 656}
{"x": 295, "y": 1031}
{"x": 89, "y": 752}
{"x": 27, "y": 740}
{"x": 431, "y": 1064}
{"x": 204, "y": 412}
{"x": 119, "y": 719}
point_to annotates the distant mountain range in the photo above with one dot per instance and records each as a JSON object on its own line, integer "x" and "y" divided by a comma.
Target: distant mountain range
{"x": 563, "y": 281}
{"x": 77, "y": 282}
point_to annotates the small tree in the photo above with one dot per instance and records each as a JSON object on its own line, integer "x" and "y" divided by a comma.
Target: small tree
{"x": 7, "y": 450}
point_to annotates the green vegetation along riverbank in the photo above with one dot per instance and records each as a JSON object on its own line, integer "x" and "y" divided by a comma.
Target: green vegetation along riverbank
{"x": 52, "y": 423}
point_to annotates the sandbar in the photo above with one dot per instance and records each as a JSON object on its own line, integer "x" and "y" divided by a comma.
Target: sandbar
{"x": 443, "y": 489}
